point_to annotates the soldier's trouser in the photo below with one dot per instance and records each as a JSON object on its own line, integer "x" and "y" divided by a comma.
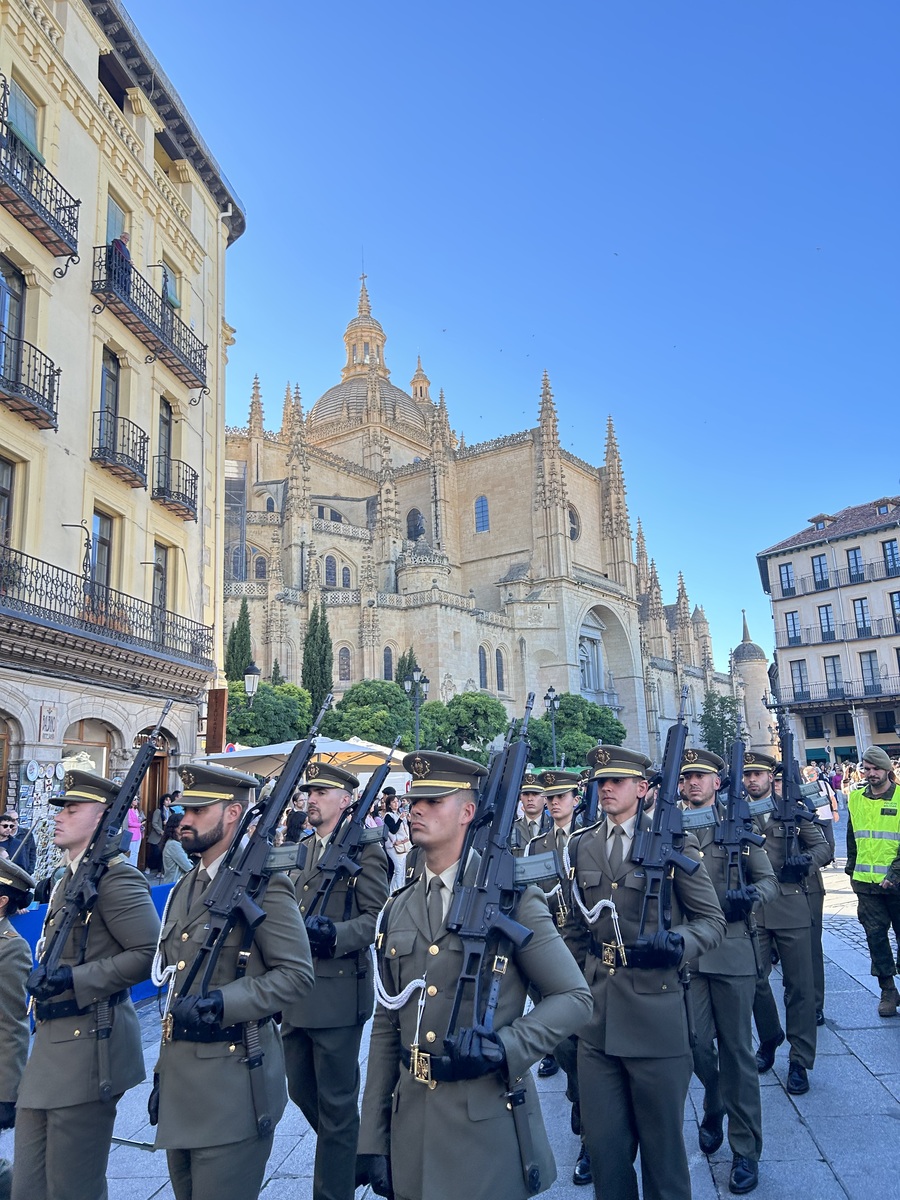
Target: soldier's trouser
{"x": 723, "y": 1008}
{"x": 62, "y": 1153}
{"x": 566, "y": 1054}
{"x": 795, "y": 951}
{"x": 877, "y": 913}
{"x": 231, "y": 1172}
{"x": 323, "y": 1081}
{"x": 631, "y": 1103}
{"x": 816, "y": 909}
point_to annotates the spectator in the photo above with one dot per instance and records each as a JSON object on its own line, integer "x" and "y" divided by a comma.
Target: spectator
{"x": 296, "y": 819}
{"x": 374, "y": 819}
{"x": 136, "y": 829}
{"x": 175, "y": 861}
{"x": 158, "y": 818}
{"x": 397, "y": 841}
{"x": 25, "y": 852}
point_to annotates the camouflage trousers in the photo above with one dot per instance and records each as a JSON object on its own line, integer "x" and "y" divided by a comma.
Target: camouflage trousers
{"x": 878, "y": 911}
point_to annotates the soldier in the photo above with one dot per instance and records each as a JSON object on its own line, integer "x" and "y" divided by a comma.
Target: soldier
{"x": 785, "y": 924}
{"x": 208, "y": 1105}
{"x": 63, "y": 1128}
{"x": 561, "y": 791}
{"x": 16, "y": 888}
{"x": 322, "y": 1032}
{"x": 534, "y": 820}
{"x": 724, "y": 983}
{"x": 634, "y": 1057}
{"x": 873, "y": 864}
{"x": 442, "y": 1122}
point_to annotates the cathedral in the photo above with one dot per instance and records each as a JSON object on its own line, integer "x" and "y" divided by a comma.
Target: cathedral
{"x": 509, "y": 566}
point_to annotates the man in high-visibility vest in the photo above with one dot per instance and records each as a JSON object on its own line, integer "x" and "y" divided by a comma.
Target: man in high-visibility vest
{"x": 873, "y": 864}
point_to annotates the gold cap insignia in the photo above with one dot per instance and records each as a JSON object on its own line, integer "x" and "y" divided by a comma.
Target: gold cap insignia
{"x": 312, "y": 771}
{"x": 691, "y": 756}
{"x": 421, "y": 767}
{"x": 549, "y": 779}
{"x": 69, "y": 781}
{"x": 188, "y": 778}
{"x": 529, "y": 778}
{"x": 602, "y": 757}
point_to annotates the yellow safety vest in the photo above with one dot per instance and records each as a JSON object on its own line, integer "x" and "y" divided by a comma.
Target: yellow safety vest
{"x": 876, "y": 827}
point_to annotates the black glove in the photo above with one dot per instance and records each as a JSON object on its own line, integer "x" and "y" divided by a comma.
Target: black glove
{"x": 662, "y": 950}
{"x": 43, "y": 986}
{"x": 739, "y": 901}
{"x": 7, "y": 1114}
{"x": 376, "y": 1170}
{"x": 796, "y": 868}
{"x": 475, "y": 1052}
{"x": 322, "y": 936}
{"x": 198, "y": 1012}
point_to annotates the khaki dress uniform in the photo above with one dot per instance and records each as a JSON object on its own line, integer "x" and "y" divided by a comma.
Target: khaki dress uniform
{"x": 634, "y": 1057}
{"x": 322, "y": 1031}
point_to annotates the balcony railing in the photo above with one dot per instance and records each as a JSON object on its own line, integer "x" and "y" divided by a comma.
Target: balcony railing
{"x": 121, "y": 447}
{"x": 148, "y": 315}
{"x": 175, "y": 486}
{"x": 39, "y": 589}
{"x": 870, "y": 572}
{"x": 848, "y": 689}
{"x": 28, "y": 381}
{"x": 35, "y": 197}
{"x": 844, "y": 631}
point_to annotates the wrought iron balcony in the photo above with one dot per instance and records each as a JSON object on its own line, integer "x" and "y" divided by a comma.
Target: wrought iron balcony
{"x": 74, "y": 602}
{"x": 121, "y": 447}
{"x": 836, "y": 695}
{"x": 843, "y": 631}
{"x": 148, "y": 315}
{"x": 175, "y": 486}
{"x": 28, "y": 381}
{"x": 35, "y": 197}
{"x": 870, "y": 572}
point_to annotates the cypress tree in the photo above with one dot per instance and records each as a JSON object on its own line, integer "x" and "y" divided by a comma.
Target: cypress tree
{"x": 277, "y": 677}
{"x": 240, "y": 646}
{"x": 310, "y": 675}
{"x": 326, "y": 659}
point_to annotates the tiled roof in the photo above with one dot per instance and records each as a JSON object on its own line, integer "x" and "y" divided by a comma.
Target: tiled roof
{"x": 859, "y": 518}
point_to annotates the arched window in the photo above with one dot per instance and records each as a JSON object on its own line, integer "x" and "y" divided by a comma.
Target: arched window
{"x": 330, "y": 571}
{"x": 482, "y": 521}
{"x": 344, "y": 665}
{"x": 270, "y": 504}
{"x": 259, "y": 567}
{"x": 238, "y": 565}
{"x": 482, "y": 667}
{"x": 574, "y": 523}
{"x": 345, "y": 577}
{"x": 500, "y": 673}
{"x": 388, "y": 664}
{"x": 415, "y": 525}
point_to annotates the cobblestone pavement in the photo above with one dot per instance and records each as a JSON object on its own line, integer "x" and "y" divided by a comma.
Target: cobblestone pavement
{"x": 838, "y": 1141}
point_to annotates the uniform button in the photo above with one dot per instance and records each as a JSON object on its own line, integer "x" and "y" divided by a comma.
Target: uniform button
{"x": 665, "y": 987}
{"x": 433, "y": 950}
{"x": 393, "y": 951}
{"x": 432, "y": 990}
{"x": 232, "y": 1048}
{"x": 614, "y": 886}
{"x": 77, "y": 1033}
{"x": 612, "y": 970}
{"x": 306, "y": 887}
{"x": 702, "y": 854}
{"x": 181, "y": 965}
{"x": 430, "y": 1036}
{"x": 185, "y": 936}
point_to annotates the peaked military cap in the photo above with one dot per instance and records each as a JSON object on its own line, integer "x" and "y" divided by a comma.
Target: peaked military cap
{"x": 754, "y": 761}
{"x": 12, "y": 875}
{"x": 209, "y": 783}
{"x": 531, "y": 783}
{"x": 86, "y": 786}
{"x": 778, "y": 772}
{"x": 328, "y": 775}
{"x": 703, "y": 761}
{"x": 618, "y": 762}
{"x": 435, "y": 774}
{"x": 557, "y": 782}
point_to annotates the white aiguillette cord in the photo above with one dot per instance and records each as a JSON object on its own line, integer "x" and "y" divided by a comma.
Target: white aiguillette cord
{"x": 384, "y": 998}
{"x": 590, "y": 914}
{"x": 160, "y": 975}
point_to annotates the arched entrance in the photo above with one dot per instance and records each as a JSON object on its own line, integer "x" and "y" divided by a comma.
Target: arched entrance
{"x": 156, "y": 781}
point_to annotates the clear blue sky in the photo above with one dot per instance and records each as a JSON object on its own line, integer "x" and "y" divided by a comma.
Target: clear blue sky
{"x": 686, "y": 212}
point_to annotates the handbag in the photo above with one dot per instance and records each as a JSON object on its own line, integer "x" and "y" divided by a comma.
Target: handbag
{"x": 401, "y": 843}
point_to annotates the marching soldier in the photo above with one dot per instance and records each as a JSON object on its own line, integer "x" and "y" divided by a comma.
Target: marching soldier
{"x": 785, "y": 924}
{"x": 724, "y": 983}
{"x": 16, "y": 889}
{"x": 634, "y": 1057}
{"x": 63, "y": 1128}
{"x": 208, "y": 1106}
{"x": 437, "y": 1119}
{"x": 322, "y": 1031}
{"x": 534, "y": 820}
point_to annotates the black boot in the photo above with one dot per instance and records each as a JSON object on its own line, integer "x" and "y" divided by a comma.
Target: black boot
{"x": 711, "y": 1134}
{"x": 798, "y": 1080}
{"x": 575, "y": 1119}
{"x": 582, "y": 1173}
{"x": 765, "y": 1055}
{"x": 549, "y": 1066}
{"x": 744, "y": 1175}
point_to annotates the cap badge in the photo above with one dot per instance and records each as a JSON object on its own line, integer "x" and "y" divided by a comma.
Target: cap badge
{"x": 312, "y": 771}
{"x": 602, "y": 757}
{"x": 691, "y": 756}
{"x": 69, "y": 781}
{"x": 550, "y": 779}
{"x": 188, "y": 778}
{"x": 421, "y": 767}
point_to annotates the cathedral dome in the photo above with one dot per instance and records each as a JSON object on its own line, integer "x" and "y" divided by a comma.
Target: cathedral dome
{"x": 747, "y": 651}
{"x": 354, "y": 394}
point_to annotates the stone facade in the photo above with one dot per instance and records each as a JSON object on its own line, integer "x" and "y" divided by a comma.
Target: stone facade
{"x": 508, "y": 565}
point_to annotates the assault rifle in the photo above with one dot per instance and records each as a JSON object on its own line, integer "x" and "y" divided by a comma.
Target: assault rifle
{"x": 340, "y": 857}
{"x": 659, "y": 849}
{"x": 734, "y": 832}
{"x": 789, "y": 808}
{"x": 590, "y": 804}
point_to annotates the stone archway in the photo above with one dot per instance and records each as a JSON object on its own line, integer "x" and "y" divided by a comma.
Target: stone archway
{"x": 610, "y": 670}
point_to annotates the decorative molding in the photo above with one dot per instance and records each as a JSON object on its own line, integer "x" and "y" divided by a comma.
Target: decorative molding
{"x": 169, "y": 194}
{"x": 253, "y": 589}
{"x": 341, "y": 529}
{"x": 510, "y": 439}
{"x": 340, "y": 597}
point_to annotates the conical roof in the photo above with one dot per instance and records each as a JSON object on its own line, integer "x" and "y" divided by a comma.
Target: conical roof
{"x": 746, "y": 650}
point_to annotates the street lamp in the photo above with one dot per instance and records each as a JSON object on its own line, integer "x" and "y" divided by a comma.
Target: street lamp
{"x": 416, "y": 687}
{"x": 251, "y": 680}
{"x": 551, "y": 703}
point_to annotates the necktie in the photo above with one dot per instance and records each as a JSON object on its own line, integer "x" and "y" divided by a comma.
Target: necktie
{"x": 533, "y": 826}
{"x": 316, "y": 852}
{"x": 615, "y": 852}
{"x": 198, "y": 885}
{"x": 562, "y": 839}
{"x": 435, "y": 907}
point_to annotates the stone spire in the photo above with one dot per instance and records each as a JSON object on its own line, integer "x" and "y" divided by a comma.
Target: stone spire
{"x": 298, "y": 400}
{"x": 683, "y": 626}
{"x": 643, "y": 570}
{"x": 547, "y": 418}
{"x": 256, "y": 410}
{"x": 616, "y": 525}
{"x": 364, "y": 308}
{"x": 746, "y": 637}
{"x": 554, "y": 548}
{"x": 655, "y": 593}
{"x": 287, "y": 413}
{"x": 420, "y": 384}
{"x": 655, "y": 634}
{"x": 612, "y": 459}
{"x": 682, "y": 604}
{"x": 364, "y": 340}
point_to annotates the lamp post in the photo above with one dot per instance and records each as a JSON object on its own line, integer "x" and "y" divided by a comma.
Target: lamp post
{"x": 828, "y": 745}
{"x": 416, "y": 687}
{"x": 551, "y": 703}
{"x": 251, "y": 680}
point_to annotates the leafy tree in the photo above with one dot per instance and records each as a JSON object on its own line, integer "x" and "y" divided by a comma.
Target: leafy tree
{"x": 435, "y": 726}
{"x": 474, "y": 720}
{"x": 277, "y": 677}
{"x": 318, "y": 657}
{"x": 239, "y": 652}
{"x": 279, "y": 714}
{"x": 326, "y": 654}
{"x": 720, "y": 721}
{"x": 374, "y": 710}
{"x": 406, "y": 664}
{"x": 580, "y": 725}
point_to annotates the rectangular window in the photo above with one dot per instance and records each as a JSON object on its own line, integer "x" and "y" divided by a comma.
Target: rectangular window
{"x": 843, "y": 725}
{"x": 800, "y": 679}
{"x": 7, "y": 475}
{"x": 101, "y": 549}
{"x": 891, "y": 557}
{"x": 826, "y": 622}
{"x": 885, "y": 721}
{"x": 814, "y": 727}
{"x": 868, "y": 662}
{"x": 165, "y": 428}
{"x": 23, "y": 117}
{"x": 171, "y": 284}
{"x": 115, "y": 220}
{"x": 895, "y": 610}
{"x": 160, "y": 575}
{"x": 820, "y": 572}
{"x": 861, "y": 616}
{"x": 786, "y": 575}
{"x": 834, "y": 682}
{"x": 792, "y": 625}
{"x": 855, "y": 569}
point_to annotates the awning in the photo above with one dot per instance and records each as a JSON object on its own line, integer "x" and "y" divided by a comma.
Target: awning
{"x": 816, "y": 756}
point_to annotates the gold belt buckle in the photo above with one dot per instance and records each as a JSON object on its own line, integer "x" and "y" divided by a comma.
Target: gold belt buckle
{"x": 168, "y": 1023}
{"x": 562, "y": 914}
{"x": 608, "y": 957}
{"x": 420, "y": 1067}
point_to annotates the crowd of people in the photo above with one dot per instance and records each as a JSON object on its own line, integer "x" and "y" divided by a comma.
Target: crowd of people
{"x": 626, "y": 988}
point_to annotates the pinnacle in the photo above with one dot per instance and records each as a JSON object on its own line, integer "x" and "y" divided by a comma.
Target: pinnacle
{"x": 746, "y": 637}
{"x": 364, "y": 309}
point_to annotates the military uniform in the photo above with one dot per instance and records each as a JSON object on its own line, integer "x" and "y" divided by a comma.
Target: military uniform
{"x": 15, "y": 1031}
{"x": 63, "y": 1128}
{"x": 207, "y": 1116}
{"x": 322, "y": 1031}
{"x": 524, "y": 830}
{"x": 458, "y": 1137}
{"x": 634, "y": 1057}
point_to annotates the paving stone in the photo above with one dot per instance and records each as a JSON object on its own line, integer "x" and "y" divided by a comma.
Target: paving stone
{"x": 865, "y": 1180}
{"x": 879, "y": 1049}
